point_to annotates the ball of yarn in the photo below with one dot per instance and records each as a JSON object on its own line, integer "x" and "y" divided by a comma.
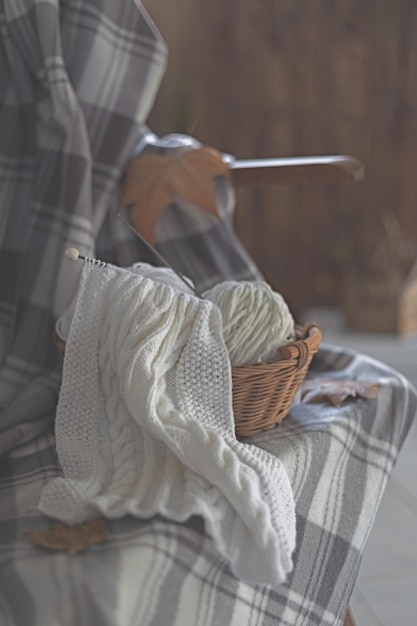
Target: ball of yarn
{"x": 256, "y": 320}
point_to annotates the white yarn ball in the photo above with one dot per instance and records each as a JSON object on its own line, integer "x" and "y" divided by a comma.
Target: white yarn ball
{"x": 256, "y": 320}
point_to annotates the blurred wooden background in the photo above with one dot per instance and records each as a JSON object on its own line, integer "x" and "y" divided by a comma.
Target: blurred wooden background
{"x": 285, "y": 78}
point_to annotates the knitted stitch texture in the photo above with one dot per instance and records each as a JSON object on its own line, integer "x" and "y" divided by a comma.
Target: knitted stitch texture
{"x": 144, "y": 424}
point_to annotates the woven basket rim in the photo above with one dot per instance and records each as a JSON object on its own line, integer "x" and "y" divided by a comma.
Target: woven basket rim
{"x": 310, "y": 335}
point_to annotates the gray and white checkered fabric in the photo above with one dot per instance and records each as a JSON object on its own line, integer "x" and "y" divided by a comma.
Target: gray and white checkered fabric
{"x": 77, "y": 80}
{"x": 160, "y": 573}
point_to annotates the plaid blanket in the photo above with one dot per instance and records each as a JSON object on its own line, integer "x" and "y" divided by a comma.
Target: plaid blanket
{"x": 157, "y": 572}
{"x": 77, "y": 82}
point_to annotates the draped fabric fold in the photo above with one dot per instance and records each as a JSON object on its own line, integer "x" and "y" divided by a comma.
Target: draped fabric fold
{"x": 77, "y": 81}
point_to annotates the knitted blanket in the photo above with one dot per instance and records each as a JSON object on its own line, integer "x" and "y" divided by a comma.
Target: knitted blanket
{"x": 144, "y": 424}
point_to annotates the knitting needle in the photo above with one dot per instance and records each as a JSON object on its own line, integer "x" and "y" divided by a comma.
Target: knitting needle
{"x": 159, "y": 255}
{"x": 73, "y": 255}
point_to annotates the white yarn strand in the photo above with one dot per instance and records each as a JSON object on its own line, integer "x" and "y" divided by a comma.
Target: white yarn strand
{"x": 256, "y": 320}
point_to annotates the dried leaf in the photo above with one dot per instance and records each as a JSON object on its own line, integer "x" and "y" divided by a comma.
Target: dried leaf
{"x": 73, "y": 539}
{"x": 152, "y": 181}
{"x": 335, "y": 391}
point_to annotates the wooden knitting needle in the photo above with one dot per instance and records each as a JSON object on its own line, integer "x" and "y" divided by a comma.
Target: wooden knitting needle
{"x": 73, "y": 255}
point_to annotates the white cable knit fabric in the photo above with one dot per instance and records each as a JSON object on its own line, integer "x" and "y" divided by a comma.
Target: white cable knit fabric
{"x": 144, "y": 424}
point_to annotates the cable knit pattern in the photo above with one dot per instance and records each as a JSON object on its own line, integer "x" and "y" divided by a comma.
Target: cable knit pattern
{"x": 145, "y": 424}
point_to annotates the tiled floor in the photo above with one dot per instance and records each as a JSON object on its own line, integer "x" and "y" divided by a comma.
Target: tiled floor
{"x": 386, "y": 589}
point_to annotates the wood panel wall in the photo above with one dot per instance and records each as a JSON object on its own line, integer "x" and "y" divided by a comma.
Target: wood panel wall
{"x": 285, "y": 78}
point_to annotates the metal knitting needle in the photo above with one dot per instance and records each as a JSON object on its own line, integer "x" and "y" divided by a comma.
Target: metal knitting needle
{"x": 159, "y": 255}
{"x": 73, "y": 254}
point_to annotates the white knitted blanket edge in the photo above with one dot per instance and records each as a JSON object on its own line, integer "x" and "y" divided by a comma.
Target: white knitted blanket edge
{"x": 144, "y": 425}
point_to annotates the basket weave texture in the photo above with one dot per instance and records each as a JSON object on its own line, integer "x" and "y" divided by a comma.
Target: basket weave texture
{"x": 264, "y": 392}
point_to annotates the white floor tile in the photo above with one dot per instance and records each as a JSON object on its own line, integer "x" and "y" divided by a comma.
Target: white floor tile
{"x": 362, "y": 612}
{"x": 399, "y": 352}
{"x": 405, "y": 470}
{"x": 391, "y": 549}
{"x": 393, "y": 602}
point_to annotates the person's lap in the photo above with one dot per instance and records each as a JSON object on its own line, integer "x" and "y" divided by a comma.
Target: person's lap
{"x": 159, "y": 572}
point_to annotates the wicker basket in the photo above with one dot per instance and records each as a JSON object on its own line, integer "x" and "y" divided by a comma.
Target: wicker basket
{"x": 264, "y": 392}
